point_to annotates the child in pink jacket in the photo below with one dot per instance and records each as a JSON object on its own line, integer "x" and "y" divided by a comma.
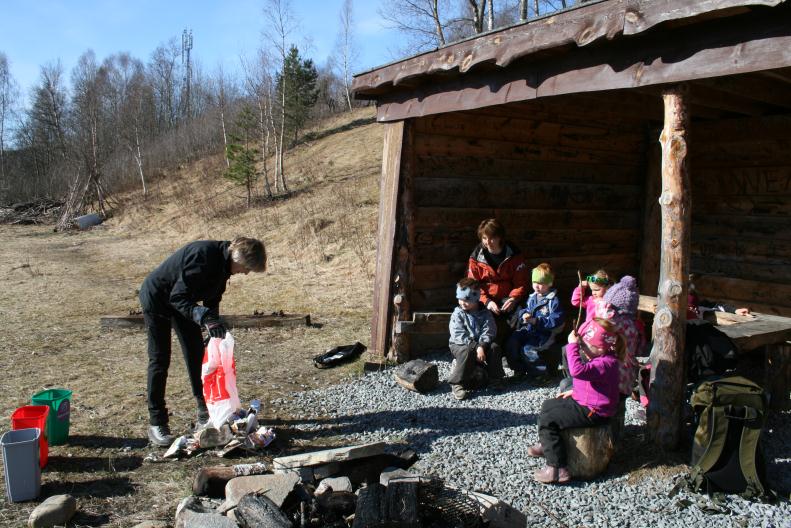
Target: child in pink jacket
{"x": 593, "y": 399}
{"x": 590, "y": 293}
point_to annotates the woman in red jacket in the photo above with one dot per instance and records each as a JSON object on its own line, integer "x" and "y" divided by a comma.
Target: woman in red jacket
{"x": 500, "y": 268}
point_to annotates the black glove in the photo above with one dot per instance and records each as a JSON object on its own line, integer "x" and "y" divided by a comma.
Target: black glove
{"x": 214, "y": 325}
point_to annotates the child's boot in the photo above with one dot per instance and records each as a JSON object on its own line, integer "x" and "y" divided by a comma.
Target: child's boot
{"x": 552, "y": 475}
{"x": 536, "y": 450}
{"x": 458, "y": 392}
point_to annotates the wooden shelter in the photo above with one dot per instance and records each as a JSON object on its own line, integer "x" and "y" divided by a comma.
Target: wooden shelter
{"x": 648, "y": 137}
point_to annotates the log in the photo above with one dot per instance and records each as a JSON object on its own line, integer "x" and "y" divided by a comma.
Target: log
{"x": 109, "y": 322}
{"x": 369, "y": 511}
{"x": 258, "y": 511}
{"x": 418, "y": 375}
{"x": 667, "y": 356}
{"x": 401, "y": 504}
{"x": 488, "y": 167}
{"x": 588, "y": 450}
{"x": 454, "y": 192}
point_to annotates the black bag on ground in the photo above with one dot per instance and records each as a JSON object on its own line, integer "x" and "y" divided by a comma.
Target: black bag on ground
{"x": 726, "y": 451}
{"x": 709, "y": 352}
{"x": 337, "y": 355}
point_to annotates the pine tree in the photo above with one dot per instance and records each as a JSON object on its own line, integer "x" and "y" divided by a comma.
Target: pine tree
{"x": 241, "y": 157}
{"x": 301, "y": 90}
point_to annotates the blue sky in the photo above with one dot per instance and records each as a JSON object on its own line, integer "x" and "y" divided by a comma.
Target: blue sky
{"x": 36, "y": 32}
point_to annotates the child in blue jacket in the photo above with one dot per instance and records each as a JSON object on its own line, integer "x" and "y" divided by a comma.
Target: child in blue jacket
{"x": 539, "y": 322}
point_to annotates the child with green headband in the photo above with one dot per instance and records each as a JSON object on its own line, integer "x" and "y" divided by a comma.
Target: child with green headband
{"x": 540, "y": 321}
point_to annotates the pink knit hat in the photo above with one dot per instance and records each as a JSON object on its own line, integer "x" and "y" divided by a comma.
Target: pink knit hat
{"x": 593, "y": 334}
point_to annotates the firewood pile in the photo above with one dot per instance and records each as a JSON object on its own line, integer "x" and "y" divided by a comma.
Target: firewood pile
{"x": 39, "y": 211}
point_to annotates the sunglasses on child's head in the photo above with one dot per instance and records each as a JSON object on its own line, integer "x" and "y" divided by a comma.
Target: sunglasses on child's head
{"x": 602, "y": 281}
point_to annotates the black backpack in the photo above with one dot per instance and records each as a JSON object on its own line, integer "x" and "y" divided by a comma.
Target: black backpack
{"x": 726, "y": 451}
{"x": 709, "y": 352}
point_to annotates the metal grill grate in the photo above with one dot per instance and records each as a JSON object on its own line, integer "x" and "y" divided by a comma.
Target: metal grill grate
{"x": 443, "y": 507}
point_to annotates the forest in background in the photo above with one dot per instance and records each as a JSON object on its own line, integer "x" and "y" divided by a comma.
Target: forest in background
{"x": 114, "y": 123}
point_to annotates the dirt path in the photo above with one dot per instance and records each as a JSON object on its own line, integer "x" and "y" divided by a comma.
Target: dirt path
{"x": 53, "y": 289}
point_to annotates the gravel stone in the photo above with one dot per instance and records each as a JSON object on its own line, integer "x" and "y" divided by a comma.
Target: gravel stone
{"x": 480, "y": 444}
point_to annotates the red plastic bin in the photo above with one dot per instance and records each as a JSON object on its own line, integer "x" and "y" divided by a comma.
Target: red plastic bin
{"x": 34, "y": 416}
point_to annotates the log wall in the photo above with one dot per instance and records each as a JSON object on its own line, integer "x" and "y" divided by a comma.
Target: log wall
{"x": 741, "y": 205}
{"x": 567, "y": 184}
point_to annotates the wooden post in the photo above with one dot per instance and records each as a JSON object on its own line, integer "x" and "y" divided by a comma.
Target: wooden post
{"x": 667, "y": 356}
{"x": 385, "y": 241}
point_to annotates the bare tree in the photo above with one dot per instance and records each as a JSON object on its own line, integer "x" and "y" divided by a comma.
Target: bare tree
{"x": 258, "y": 84}
{"x": 281, "y": 23}
{"x": 424, "y": 21}
{"x": 164, "y": 75}
{"x": 8, "y": 99}
{"x": 346, "y": 51}
{"x": 221, "y": 88}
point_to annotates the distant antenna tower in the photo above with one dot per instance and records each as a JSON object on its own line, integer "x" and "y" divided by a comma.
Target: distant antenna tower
{"x": 186, "y": 47}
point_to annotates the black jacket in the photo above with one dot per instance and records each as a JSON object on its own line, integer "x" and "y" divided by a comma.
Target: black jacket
{"x": 197, "y": 272}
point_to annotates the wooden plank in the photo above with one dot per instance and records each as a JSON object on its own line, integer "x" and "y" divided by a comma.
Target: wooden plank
{"x": 436, "y": 192}
{"x": 469, "y": 218}
{"x": 538, "y": 132}
{"x": 744, "y": 291}
{"x": 733, "y": 266}
{"x": 744, "y": 205}
{"x": 447, "y": 272}
{"x": 761, "y": 331}
{"x": 775, "y": 227}
{"x": 388, "y": 203}
{"x": 755, "y": 42}
{"x": 486, "y": 167}
{"x": 741, "y": 129}
{"x": 445, "y": 145}
{"x": 110, "y": 322}
{"x": 534, "y": 254}
{"x": 758, "y": 152}
{"x": 759, "y": 250}
{"x": 669, "y": 330}
{"x": 752, "y": 87}
{"x": 735, "y": 181}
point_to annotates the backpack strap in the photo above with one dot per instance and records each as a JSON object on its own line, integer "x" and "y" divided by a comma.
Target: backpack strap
{"x": 718, "y": 430}
{"x": 748, "y": 447}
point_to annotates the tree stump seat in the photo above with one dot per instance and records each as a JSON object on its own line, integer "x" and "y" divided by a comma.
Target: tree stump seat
{"x": 590, "y": 449}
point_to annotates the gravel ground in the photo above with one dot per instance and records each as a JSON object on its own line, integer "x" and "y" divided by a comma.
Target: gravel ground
{"x": 480, "y": 444}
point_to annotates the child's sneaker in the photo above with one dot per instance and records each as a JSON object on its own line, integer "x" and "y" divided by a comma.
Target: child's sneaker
{"x": 552, "y": 475}
{"x": 536, "y": 450}
{"x": 458, "y": 392}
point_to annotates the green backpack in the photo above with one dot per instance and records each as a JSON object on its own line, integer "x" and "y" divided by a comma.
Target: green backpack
{"x": 726, "y": 455}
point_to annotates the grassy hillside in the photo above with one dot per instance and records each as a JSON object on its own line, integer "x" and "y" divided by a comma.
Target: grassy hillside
{"x": 55, "y": 286}
{"x": 320, "y": 240}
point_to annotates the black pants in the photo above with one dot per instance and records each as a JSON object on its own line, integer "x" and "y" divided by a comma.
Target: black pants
{"x": 191, "y": 339}
{"x": 466, "y": 358}
{"x": 558, "y": 414}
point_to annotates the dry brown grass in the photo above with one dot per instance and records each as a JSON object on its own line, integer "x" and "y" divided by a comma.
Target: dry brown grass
{"x": 54, "y": 288}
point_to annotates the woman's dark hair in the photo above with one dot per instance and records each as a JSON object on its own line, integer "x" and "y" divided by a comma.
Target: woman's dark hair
{"x": 492, "y": 228}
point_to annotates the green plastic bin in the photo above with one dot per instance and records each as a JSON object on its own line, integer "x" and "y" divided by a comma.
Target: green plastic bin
{"x": 59, "y": 401}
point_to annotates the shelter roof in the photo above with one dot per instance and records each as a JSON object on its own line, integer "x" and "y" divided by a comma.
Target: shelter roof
{"x": 579, "y": 26}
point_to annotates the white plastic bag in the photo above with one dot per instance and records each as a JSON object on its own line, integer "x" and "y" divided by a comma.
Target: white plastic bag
{"x": 218, "y": 374}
